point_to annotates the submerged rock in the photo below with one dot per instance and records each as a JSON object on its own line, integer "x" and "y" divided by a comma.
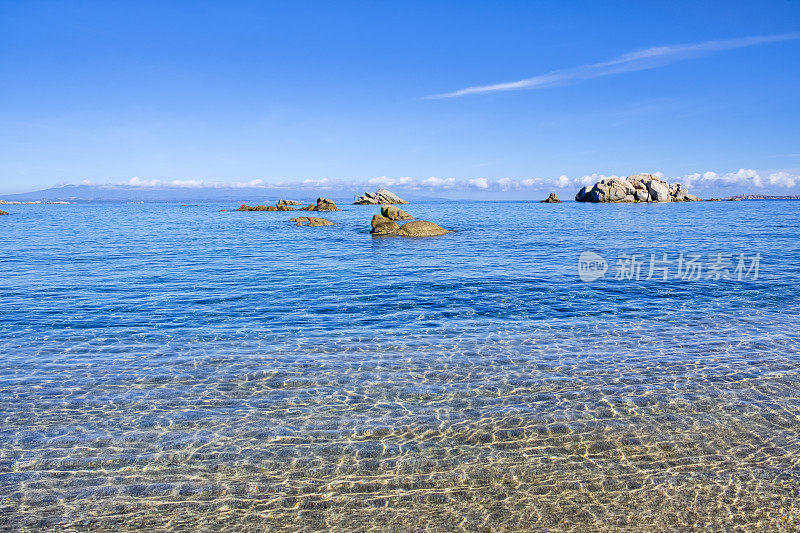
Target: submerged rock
{"x": 552, "y": 199}
{"x": 636, "y": 188}
{"x": 311, "y": 221}
{"x": 384, "y": 226}
{"x": 395, "y": 213}
{"x": 421, "y": 228}
{"x": 381, "y": 196}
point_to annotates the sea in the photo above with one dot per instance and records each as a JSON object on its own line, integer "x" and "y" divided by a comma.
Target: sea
{"x": 542, "y": 367}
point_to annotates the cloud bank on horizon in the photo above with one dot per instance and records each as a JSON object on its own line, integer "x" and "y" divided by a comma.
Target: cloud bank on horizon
{"x": 647, "y": 58}
{"x": 741, "y": 178}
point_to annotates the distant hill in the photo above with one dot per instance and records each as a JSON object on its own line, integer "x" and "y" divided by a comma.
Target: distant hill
{"x": 121, "y": 194}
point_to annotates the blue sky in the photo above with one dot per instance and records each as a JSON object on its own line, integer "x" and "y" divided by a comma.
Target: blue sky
{"x": 340, "y": 93}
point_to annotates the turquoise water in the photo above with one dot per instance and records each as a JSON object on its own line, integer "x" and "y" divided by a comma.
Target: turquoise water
{"x": 178, "y": 367}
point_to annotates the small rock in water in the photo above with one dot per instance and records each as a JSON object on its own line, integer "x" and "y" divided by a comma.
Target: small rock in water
{"x": 394, "y": 213}
{"x": 288, "y": 202}
{"x": 323, "y": 204}
{"x": 552, "y": 199}
{"x": 311, "y": 221}
{"x": 3, "y": 212}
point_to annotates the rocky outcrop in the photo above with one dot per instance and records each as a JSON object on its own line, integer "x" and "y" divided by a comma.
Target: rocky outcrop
{"x": 417, "y": 228}
{"x": 311, "y": 221}
{"x": 636, "y": 188}
{"x": 395, "y": 213}
{"x": 323, "y": 204}
{"x": 552, "y": 199}
{"x": 3, "y": 212}
{"x": 288, "y": 202}
{"x": 246, "y": 207}
{"x": 421, "y": 228}
{"x": 381, "y": 196}
{"x": 384, "y": 226}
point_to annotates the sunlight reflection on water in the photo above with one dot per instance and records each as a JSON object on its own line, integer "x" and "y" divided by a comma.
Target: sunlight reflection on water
{"x": 167, "y": 367}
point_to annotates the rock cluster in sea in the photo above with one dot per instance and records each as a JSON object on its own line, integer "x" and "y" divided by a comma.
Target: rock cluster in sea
{"x": 246, "y": 207}
{"x": 381, "y": 196}
{"x": 552, "y": 199}
{"x": 311, "y": 221}
{"x": 323, "y": 204}
{"x": 384, "y": 224}
{"x": 636, "y": 188}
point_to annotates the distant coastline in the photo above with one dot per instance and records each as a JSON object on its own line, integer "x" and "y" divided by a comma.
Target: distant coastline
{"x": 763, "y": 197}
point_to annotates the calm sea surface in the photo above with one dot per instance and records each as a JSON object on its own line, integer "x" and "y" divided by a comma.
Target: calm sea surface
{"x": 178, "y": 367}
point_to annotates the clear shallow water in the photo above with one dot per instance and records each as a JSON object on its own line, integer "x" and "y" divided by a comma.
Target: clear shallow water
{"x": 165, "y": 366}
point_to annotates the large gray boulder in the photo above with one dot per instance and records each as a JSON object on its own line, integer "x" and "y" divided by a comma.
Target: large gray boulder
{"x": 583, "y": 194}
{"x": 381, "y": 196}
{"x": 636, "y": 188}
{"x": 659, "y": 192}
{"x": 394, "y": 213}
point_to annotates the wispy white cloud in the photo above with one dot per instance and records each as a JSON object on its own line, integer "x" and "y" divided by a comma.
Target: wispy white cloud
{"x": 632, "y": 61}
{"x": 744, "y": 176}
{"x": 479, "y": 183}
